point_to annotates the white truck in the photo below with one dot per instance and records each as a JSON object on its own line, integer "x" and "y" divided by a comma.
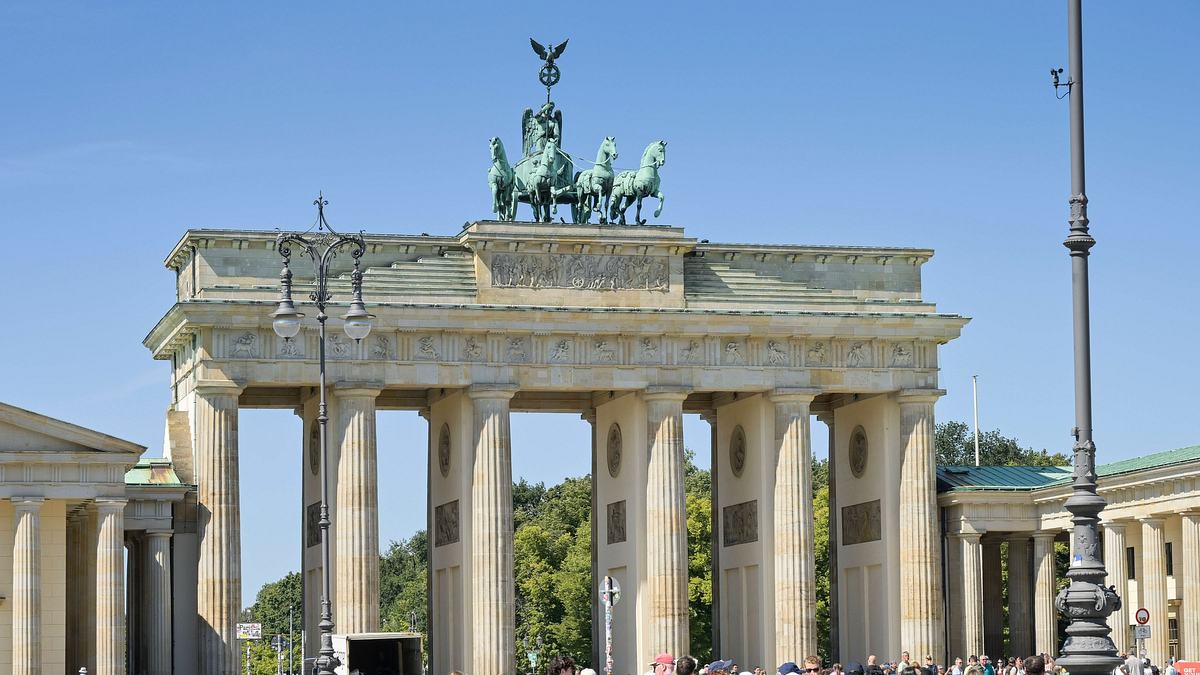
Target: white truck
{"x": 378, "y": 654}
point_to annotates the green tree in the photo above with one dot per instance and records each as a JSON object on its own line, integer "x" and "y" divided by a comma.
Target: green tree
{"x": 270, "y": 608}
{"x": 403, "y": 580}
{"x": 955, "y": 446}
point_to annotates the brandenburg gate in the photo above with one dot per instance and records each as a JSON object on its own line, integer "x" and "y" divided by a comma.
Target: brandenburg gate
{"x": 631, "y": 327}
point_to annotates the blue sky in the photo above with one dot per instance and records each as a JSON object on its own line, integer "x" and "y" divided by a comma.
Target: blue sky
{"x": 870, "y": 123}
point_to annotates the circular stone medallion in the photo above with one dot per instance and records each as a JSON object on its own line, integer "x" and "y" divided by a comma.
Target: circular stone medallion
{"x": 444, "y": 450}
{"x": 614, "y": 450}
{"x": 314, "y": 449}
{"x": 858, "y": 451}
{"x": 737, "y": 451}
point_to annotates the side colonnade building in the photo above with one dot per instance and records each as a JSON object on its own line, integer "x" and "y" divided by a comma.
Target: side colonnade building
{"x": 1150, "y": 532}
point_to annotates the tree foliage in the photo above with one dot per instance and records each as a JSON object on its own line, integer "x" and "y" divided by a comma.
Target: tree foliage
{"x": 956, "y": 447}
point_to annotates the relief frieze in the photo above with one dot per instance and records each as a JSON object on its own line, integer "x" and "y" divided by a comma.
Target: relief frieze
{"x": 581, "y": 272}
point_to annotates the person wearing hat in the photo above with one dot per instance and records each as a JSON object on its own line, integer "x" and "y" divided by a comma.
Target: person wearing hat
{"x": 720, "y": 667}
{"x": 789, "y": 668}
{"x": 663, "y": 664}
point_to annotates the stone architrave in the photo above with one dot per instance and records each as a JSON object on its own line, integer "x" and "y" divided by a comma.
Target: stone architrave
{"x": 1020, "y": 594}
{"x": 157, "y": 595}
{"x": 493, "y": 593}
{"x": 356, "y": 591}
{"x": 110, "y": 586}
{"x": 795, "y": 564}
{"x": 1118, "y": 577}
{"x": 922, "y": 623}
{"x": 971, "y": 554}
{"x": 1045, "y": 616}
{"x": 1153, "y": 580}
{"x": 27, "y": 586}
{"x": 219, "y": 578}
{"x": 666, "y": 524}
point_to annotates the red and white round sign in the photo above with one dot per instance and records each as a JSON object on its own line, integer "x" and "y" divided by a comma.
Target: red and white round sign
{"x": 1142, "y": 616}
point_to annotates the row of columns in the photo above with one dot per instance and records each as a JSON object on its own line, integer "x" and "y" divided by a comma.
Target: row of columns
{"x": 95, "y": 611}
{"x": 976, "y": 594}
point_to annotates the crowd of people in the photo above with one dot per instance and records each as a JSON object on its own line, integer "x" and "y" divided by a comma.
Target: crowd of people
{"x": 666, "y": 664}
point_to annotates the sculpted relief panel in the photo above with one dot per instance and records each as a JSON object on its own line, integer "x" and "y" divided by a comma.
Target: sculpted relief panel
{"x": 581, "y": 272}
{"x": 861, "y": 523}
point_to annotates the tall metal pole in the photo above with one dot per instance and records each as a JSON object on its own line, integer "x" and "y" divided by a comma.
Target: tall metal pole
{"x": 326, "y": 662}
{"x": 1085, "y": 602}
{"x": 975, "y": 400}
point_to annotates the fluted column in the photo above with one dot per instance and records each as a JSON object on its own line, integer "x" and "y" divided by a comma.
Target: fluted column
{"x": 356, "y": 592}
{"x": 1154, "y": 587}
{"x": 1118, "y": 576}
{"x": 27, "y": 586}
{"x": 795, "y": 561}
{"x": 493, "y": 596}
{"x": 1020, "y": 595}
{"x": 91, "y": 545}
{"x": 666, "y": 523}
{"x": 971, "y": 553}
{"x": 1189, "y": 617}
{"x": 110, "y": 586}
{"x": 993, "y": 601}
{"x": 922, "y": 624}
{"x": 76, "y": 592}
{"x": 157, "y": 589}
{"x": 219, "y": 578}
{"x": 1045, "y": 616}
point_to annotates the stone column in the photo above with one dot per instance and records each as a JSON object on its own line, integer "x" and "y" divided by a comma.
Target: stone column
{"x": 1154, "y": 587}
{"x": 110, "y": 586}
{"x": 76, "y": 592}
{"x": 971, "y": 553}
{"x": 1118, "y": 576}
{"x": 666, "y": 524}
{"x": 922, "y": 625}
{"x": 27, "y": 586}
{"x": 1189, "y": 625}
{"x": 993, "y": 601}
{"x": 795, "y": 560}
{"x": 356, "y": 588}
{"x": 157, "y": 589}
{"x": 493, "y": 592}
{"x": 955, "y": 605}
{"x": 91, "y": 544}
{"x": 219, "y": 578}
{"x": 1020, "y": 595}
{"x": 1045, "y": 616}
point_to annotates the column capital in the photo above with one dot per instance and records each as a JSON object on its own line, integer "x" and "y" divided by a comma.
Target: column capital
{"x": 498, "y": 390}
{"x": 1043, "y": 535}
{"x": 919, "y": 395}
{"x": 973, "y": 537}
{"x": 665, "y": 393}
{"x": 1191, "y": 513}
{"x": 1152, "y": 521}
{"x": 111, "y": 504}
{"x": 27, "y": 503}
{"x": 1017, "y": 536}
{"x": 159, "y": 534}
{"x": 1116, "y": 525}
{"x": 588, "y": 416}
{"x": 218, "y": 387}
{"x": 364, "y": 389}
{"x": 793, "y": 395}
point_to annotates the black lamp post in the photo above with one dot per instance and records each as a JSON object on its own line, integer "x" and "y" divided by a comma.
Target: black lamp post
{"x": 322, "y": 247}
{"x": 1086, "y": 602}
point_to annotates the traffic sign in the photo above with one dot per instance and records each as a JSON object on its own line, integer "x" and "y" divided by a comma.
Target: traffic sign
{"x": 249, "y": 631}
{"x": 1142, "y": 616}
{"x": 1141, "y": 632}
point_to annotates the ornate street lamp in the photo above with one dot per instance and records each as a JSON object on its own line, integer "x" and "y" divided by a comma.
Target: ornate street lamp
{"x": 322, "y": 247}
{"x": 1086, "y": 602}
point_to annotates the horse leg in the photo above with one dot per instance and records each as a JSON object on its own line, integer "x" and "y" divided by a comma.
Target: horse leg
{"x": 638, "y": 218}
{"x": 661, "y": 201}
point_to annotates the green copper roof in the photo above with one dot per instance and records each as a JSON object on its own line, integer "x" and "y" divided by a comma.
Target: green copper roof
{"x": 155, "y": 471}
{"x": 1019, "y": 478}
{"x": 999, "y": 477}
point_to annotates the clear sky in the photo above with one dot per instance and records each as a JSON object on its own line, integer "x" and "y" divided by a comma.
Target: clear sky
{"x": 867, "y": 123}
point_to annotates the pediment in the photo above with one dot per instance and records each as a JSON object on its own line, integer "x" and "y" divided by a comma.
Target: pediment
{"x": 25, "y": 431}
